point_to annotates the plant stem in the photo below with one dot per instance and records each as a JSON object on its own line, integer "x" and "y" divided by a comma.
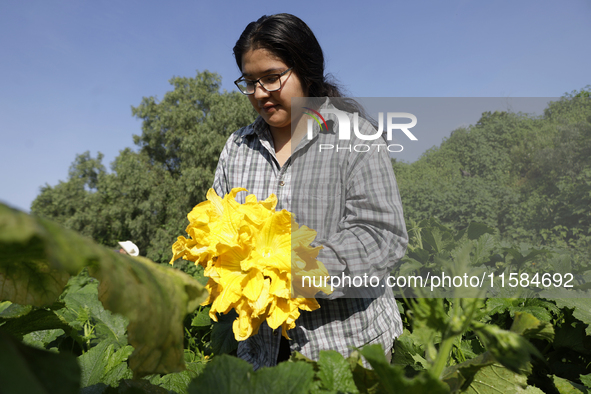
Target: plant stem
{"x": 442, "y": 357}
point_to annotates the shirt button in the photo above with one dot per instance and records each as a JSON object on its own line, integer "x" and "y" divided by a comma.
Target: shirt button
{"x": 281, "y": 183}
{"x": 275, "y": 332}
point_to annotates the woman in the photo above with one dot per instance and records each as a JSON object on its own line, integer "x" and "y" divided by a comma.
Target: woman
{"x": 350, "y": 199}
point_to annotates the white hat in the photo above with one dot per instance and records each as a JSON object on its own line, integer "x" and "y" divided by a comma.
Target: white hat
{"x": 130, "y": 248}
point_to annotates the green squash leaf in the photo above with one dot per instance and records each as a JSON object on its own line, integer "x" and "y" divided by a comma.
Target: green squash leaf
{"x": 496, "y": 379}
{"x": 476, "y": 230}
{"x": 179, "y": 381}
{"x": 82, "y": 306}
{"x": 530, "y": 327}
{"x": 586, "y": 380}
{"x": 223, "y": 340}
{"x": 8, "y": 310}
{"x": 228, "y": 374}
{"x": 224, "y": 374}
{"x": 460, "y": 376}
{"x": 582, "y": 309}
{"x": 565, "y": 386}
{"x": 38, "y": 319}
{"x": 392, "y": 378}
{"x": 285, "y": 378}
{"x": 33, "y": 371}
{"x": 40, "y": 339}
{"x": 102, "y": 364}
{"x": 37, "y": 257}
{"x": 335, "y": 372}
{"x": 509, "y": 348}
{"x": 202, "y": 318}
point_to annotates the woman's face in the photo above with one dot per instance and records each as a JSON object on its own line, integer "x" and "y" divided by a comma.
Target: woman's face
{"x": 274, "y": 107}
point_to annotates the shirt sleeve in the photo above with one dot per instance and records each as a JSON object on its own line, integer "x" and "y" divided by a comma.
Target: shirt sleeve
{"x": 220, "y": 180}
{"x": 371, "y": 234}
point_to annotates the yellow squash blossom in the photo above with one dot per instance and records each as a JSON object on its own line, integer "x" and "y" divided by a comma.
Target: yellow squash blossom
{"x": 247, "y": 251}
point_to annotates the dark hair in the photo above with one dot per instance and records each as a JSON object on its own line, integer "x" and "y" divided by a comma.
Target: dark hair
{"x": 291, "y": 40}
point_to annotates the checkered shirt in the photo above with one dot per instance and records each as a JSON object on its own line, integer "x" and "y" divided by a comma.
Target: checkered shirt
{"x": 351, "y": 199}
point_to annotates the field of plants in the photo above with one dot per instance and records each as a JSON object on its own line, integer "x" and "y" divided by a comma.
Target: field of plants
{"x": 82, "y": 316}
{"x": 77, "y": 317}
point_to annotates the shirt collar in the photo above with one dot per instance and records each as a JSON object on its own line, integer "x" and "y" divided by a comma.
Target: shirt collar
{"x": 261, "y": 128}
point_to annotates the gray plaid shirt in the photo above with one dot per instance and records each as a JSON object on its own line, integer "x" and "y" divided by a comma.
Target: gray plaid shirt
{"x": 351, "y": 199}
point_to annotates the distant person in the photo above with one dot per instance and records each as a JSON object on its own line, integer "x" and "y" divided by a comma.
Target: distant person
{"x": 128, "y": 247}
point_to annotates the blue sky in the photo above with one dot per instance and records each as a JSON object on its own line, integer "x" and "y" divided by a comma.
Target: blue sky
{"x": 71, "y": 70}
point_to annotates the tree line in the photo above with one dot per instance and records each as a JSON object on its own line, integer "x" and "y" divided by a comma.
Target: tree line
{"x": 529, "y": 177}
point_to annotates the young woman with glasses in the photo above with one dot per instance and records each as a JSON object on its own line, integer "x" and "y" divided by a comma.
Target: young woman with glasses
{"x": 352, "y": 201}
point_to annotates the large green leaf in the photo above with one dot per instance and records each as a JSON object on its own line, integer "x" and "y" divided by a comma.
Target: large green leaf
{"x": 527, "y": 325}
{"x": 8, "y": 310}
{"x": 228, "y": 374}
{"x": 495, "y": 379}
{"x": 586, "y": 380}
{"x": 476, "y": 230}
{"x": 36, "y": 320}
{"x": 407, "y": 352}
{"x": 540, "y": 308}
{"x": 37, "y": 258}
{"x": 565, "y": 386}
{"x": 532, "y": 390}
{"x": 460, "y": 376}
{"x": 156, "y": 299}
{"x": 202, "y": 318}
{"x": 392, "y": 378}
{"x": 126, "y": 386}
{"x": 224, "y": 374}
{"x": 582, "y": 309}
{"x": 82, "y": 306}
{"x": 178, "y": 382}
{"x": 335, "y": 372}
{"x": 41, "y": 339}
{"x": 103, "y": 364}
{"x": 223, "y": 340}
{"x": 509, "y": 348}
{"x": 25, "y": 369}
{"x": 285, "y": 378}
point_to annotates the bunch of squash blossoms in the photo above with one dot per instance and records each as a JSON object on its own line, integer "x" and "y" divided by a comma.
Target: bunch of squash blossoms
{"x": 254, "y": 257}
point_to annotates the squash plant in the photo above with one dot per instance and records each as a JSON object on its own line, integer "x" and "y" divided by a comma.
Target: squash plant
{"x": 77, "y": 317}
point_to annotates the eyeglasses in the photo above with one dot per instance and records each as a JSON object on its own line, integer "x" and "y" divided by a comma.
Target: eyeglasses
{"x": 270, "y": 83}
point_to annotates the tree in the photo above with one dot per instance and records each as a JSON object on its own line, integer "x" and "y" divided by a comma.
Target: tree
{"x": 529, "y": 175}
{"x": 148, "y": 193}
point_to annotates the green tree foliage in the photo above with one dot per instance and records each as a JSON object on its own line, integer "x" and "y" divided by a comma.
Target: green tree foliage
{"x": 148, "y": 193}
{"x": 527, "y": 176}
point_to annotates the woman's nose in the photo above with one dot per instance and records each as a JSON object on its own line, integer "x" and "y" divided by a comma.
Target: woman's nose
{"x": 260, "y": 92}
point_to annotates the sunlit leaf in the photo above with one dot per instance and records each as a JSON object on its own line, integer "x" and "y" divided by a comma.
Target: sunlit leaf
{"x": 179, "y": 381}
{"x": 335, "y": 372}
{"x": 37, "y": 258}
{"x": 458, "y": 377}
{"x": 530, "y": 327}
{"x": 582, "y": 309}
{"x": 104, "y": 364}
{"x": 495, "y": 379}
{"x": 565, "y": 386}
